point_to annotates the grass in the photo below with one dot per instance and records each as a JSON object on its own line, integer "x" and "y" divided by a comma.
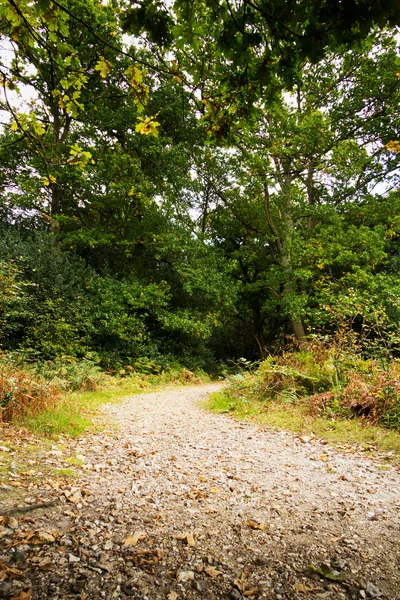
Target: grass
{"x": 65, "y": 473}
{"x": 297, "y": 418}
{"x": 72, "y": 414}
{"x": 73, "y": 460}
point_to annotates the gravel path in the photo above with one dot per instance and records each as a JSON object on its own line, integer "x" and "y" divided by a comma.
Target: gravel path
{"x": 173, "y": 502}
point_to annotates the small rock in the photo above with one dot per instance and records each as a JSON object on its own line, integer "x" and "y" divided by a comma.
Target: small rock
{"x": 184, "y": 576}
{"x": 19, "y": 557}
{"x": 235, "y": 594}
{"x": 12, "y": 523}
{"x": 372, "y": 590}
{"x": 73, "y": 559}
{"x": 201, "y": 586}
{"x": 78, "y": 586}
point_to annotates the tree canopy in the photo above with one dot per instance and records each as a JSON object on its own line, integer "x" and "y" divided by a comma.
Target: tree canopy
{"x": 199, "y": 180}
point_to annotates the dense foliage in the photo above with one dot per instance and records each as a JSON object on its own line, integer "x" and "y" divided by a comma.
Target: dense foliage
{"x": 323, "y": 381}
{"x": 204, "y": 190}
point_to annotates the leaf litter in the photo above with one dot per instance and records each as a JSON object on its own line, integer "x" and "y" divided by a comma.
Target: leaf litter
{"x": 180, "y": 504}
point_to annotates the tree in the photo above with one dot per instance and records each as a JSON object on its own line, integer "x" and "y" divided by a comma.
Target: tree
{"x": 294, "y": 178}
{"x": 239, "y": 53}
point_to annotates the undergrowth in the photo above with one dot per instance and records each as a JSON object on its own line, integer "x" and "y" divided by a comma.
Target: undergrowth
{"x": 323, "y": 389}
{"x": 60, "y": 397}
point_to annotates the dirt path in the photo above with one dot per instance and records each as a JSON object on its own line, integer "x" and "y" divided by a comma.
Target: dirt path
{"x": 177, "y": 503}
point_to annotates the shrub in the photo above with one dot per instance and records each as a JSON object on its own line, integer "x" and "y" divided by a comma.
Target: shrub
{"x": 329, "y": 381}
{"x": 21, "y": 393}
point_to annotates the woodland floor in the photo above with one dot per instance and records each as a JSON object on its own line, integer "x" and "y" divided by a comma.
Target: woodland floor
{"x": 173, "y": 502}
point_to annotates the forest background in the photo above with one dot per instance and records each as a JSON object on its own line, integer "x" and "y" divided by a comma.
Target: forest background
{"x": 193, "y": 183}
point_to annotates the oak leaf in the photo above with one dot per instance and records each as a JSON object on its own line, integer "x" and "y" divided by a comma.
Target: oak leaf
{"x": 131, "y": 540}
{"x": 212, "y": 572}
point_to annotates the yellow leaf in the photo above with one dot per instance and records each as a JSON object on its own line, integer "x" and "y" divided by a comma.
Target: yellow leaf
{"x": 255, "y": 525}
{"x": 131, "y": 540}
{"x": 148, "y": 126}
{"x": 103, "y": 66}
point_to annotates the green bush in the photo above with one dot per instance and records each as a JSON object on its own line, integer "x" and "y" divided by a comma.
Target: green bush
{"x": 329, "y": 382}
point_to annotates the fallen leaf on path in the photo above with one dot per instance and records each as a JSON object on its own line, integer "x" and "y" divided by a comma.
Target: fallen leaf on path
{"x": 23, "y": 595}
{"x": 251, "y": 592}
{"x": 45, "y": 563}
{"x": 212, "y": 572}
{"x": 73, "y": 496}
{"x": 241, "y": 584}
{"x": 254, "y": 525}
{"x": 172, "y": 596}
{"x": 9, "y": 572}
{"x": 47, "y": 537}
{"x": 9, "y": 521}
{"x": 188, "y": 537}
{"x": 301, "y": 588}
{"x": 131, "y": 540}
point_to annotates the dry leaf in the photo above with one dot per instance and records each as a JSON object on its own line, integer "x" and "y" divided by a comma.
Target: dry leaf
{"x": 213, "y": 490}
{"x": 300, "y": 588}
{"x": 9, "y": 572}
{"x": 251, "y": 592}
{"x": 186, "y": 536}
{"x": 45, "y": 536}
{"x": 323, "y": 457}
{"x": 23, "y": 595}
{"x": 73, "y": 497}
{"x": 45, "y": 563}
{"x": 9, "y": 521}
{"x": 255, "y": 525}
{"x": 241, "y": 584}
{"x": 131, "y": 540}
{"x": 172, "y": 596}
{"x": 212, "y": 572}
